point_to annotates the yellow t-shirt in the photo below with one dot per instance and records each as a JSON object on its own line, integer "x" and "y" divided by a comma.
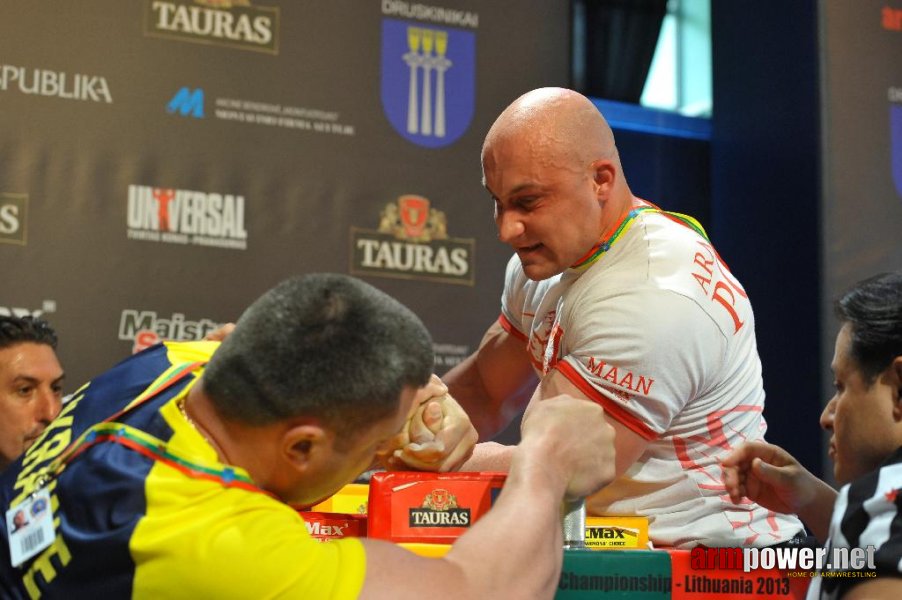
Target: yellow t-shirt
{"x": 156, "y": 520}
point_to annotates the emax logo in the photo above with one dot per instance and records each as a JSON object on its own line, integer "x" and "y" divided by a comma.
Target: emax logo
{"x": 325, "y": 530}
{"x": 187, "y": 102}
{"x": 604, "y": 533}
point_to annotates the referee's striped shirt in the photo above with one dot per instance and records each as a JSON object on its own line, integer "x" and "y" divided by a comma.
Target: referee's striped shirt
{"x": 866, "y": 514}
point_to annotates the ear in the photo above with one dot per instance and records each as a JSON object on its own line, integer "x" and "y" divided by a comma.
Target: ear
{"x": 603, "y": 175}
{"x": 305, "y": 446}
{"x": 894, "y": 380}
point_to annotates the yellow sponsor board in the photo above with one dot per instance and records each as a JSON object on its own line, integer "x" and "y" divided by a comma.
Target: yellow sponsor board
{"x": 351, "y": 499}
{"x": 617, "y": 533}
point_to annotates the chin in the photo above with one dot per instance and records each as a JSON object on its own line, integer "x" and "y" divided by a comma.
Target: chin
{"x": 538, "y": 273}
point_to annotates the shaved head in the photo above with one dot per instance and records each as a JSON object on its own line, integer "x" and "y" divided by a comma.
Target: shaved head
{"x": 551, "y": 166}
{"x": 562, "y": 128}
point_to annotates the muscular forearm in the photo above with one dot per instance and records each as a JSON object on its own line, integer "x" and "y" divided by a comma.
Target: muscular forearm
{"x": 489, "y": 456}
{"x": 465, "y": 384}
{"x": 525, "y": 526}
{"x": 493, "y": 384}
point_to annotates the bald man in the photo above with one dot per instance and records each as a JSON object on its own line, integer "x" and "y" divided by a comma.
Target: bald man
{"x": 613, "y": 300}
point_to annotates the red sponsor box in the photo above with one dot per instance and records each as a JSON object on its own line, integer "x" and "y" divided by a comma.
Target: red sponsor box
{"x": 432, "y": 508}
{"x": 329, "y": 526}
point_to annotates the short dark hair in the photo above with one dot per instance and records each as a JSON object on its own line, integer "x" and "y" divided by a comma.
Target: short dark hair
{"x": 323, "y": 345}
{"x": 16, "y": 330}
{"x": 873, "y": 308}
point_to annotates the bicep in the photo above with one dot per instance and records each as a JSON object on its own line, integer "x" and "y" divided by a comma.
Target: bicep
{"x": 628, "y": 444}
{"x": 494, "y": 383}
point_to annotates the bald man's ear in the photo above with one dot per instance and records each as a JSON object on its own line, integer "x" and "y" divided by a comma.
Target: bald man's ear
{"x": 604, "y": 174}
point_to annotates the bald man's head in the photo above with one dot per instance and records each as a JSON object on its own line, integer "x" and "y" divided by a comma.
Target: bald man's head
{"x": 561, "y": 125}
{"x": 551, "y": 167}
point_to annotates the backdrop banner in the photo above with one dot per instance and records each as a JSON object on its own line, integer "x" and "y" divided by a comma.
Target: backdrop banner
{"x": 164, "y": 162}
{"x": 861, "y": 43}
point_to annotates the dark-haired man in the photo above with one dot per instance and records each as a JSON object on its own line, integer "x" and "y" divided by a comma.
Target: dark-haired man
{"x": 865, "y": 419}
{"x": 30, "y": 383}
{"x": 181, "y": 464}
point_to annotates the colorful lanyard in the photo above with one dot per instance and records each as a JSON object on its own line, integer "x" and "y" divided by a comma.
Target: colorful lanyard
{"x": 597, "y": 251}
{"x": 109, "y": 430}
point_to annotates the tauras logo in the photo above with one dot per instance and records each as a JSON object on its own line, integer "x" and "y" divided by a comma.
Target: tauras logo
{"x": 146, "y": 328}
{"x": 13, "y": 212}
{"x": 186, "y": 217}
{"x": 412, "y": 243}
{"x": 43, "y": 82}
{"x": 439, "y": 510}
{"x": 234, "y": 23}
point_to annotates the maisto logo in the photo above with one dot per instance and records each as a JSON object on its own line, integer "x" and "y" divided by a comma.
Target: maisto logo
{"x": 186, "y": 217}
{"x": 13, "y": 215}
{"x": 231, "y": 23}
{"x": 145, "y": 328}
{"x": 412, "y": 243}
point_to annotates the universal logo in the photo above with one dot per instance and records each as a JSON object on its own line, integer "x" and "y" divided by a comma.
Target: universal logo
{"x": 231, "y": 23}
{"x": 186, "y": 217}
{"x": 412, "y": 243}
{"x": 439, "y": 510}
{"x": 13, "y": 216}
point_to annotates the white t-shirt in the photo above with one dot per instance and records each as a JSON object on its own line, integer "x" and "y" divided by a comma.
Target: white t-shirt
{"x": 660, "y": 334}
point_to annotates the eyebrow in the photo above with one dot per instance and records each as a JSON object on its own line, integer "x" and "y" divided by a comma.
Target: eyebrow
{"x": 517, "y": 189}
{"x": 35, "y": 380}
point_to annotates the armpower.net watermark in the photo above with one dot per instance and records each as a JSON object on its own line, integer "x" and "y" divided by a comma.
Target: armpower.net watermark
{"x": 796, "y": 562}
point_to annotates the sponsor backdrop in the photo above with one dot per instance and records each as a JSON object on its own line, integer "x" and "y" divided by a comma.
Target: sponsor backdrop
{"x": 862, "y": 160}
{"x": 166, "y": 161}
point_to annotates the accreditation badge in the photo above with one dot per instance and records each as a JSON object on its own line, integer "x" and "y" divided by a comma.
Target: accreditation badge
{"x": 29, "y": 527}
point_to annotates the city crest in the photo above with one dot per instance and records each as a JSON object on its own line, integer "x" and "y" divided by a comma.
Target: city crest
{"x": 428, "y": 87}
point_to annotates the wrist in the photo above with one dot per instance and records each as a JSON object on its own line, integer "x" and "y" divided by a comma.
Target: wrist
{"x": 532, "y": 463}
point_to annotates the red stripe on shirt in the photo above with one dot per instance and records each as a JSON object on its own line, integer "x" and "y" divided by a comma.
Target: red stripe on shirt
{"x": 509, "y": 327}
{"x": 612, "y": 408}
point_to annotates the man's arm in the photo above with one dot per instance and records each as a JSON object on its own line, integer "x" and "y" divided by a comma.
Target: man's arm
{"x": 496, "y": 457}
{"x": 773, "y": 478}
{"x": 494, "y": 383}
{"x": 566, "y": 450}
{"x": 882, "y": 588}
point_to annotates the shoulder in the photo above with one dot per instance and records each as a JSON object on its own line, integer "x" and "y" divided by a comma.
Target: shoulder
{"x": 252, "y": 545}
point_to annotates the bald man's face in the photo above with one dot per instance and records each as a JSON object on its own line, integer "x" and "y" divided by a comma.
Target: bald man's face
{"x": 547, "y": 205}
